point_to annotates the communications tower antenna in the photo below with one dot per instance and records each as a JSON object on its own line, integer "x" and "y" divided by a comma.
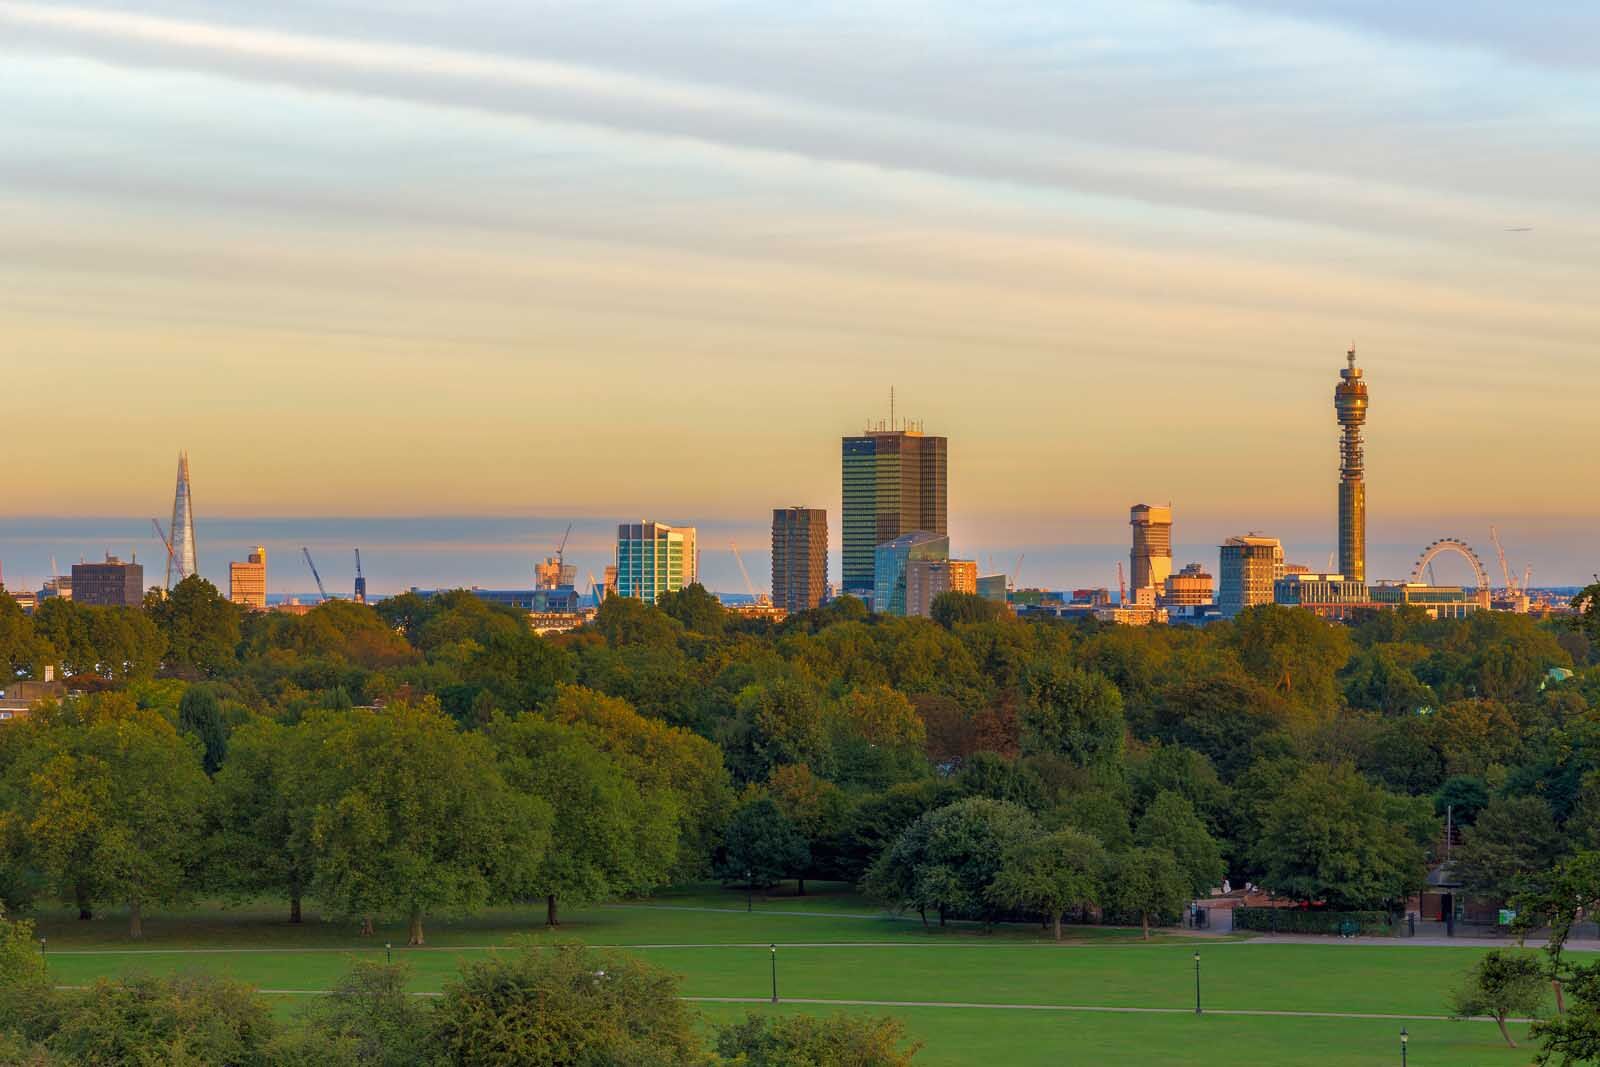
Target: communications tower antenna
{"x": 320, "y": 591}
{"x": 361, "y": 581}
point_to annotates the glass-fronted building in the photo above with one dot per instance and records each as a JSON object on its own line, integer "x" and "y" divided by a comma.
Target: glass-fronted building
{"x": 654, "y": 558}
{"x": 894, "y": 483}
{"x": 890, "y": 560}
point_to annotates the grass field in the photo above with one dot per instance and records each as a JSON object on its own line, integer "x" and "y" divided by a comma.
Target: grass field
{"x": 1007, "y": 997}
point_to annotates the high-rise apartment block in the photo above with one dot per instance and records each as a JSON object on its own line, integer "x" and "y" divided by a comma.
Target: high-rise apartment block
{"x": 654, "y": 558}
{"x": 112, "y": 584}
{"x": 894, "y": 484}
{"x": 928, "y": 579}
{"x": 891, "y": 561}
{"x": 1189, "y": 587}
{"x": 799, "y": 558}
{"x": 247, "y": 581}
{"x": 1151, "y": 557}
{"x": 1249, "y": 567}
{"x": 1350, "y": 404}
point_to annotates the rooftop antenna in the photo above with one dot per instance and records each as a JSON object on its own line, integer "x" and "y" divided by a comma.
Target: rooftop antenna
{"x": 892, "y": 426}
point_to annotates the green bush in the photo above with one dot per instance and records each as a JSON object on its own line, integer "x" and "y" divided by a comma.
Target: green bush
{"x": 1304, "y": 921}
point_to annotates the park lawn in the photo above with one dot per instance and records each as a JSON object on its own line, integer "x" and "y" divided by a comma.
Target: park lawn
{"x": 1051, "y": 1039}
{"x": 827, "y": 952}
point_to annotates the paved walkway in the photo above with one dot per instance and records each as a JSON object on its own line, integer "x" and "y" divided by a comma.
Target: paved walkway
{"x": 973, "y": 1005}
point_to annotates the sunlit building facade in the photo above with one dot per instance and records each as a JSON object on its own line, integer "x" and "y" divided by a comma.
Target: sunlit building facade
{"x": 1248, "y": 568}
{"x": 654, "y": 558}
{"x": 247, "y": 581}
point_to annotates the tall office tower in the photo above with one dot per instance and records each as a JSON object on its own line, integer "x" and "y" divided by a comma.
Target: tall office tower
{"x": 894, "y": 483}
{"x": 112, "y": 584}
{"x": 182, "y": 560}
{"x": 1249, "y": 567}
{"x": 799, "y": 558}
{"x": 247, "y": 581}
{"x": 1150, "y": 561}
{"x": 1350, "y": 403}
{"x": 654, "y": 558}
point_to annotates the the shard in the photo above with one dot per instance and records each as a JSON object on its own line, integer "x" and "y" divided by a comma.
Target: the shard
{"x": 181, "y": 560}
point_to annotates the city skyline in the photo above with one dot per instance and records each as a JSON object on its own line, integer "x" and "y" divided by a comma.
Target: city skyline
{"x": 1102, "y": 300}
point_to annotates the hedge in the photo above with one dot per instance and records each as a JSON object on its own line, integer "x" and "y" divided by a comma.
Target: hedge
{"x": 1306, "y": 921}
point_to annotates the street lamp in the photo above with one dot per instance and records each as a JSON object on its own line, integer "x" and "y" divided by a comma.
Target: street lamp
{"x": 774, "y": 974}
{"x": 1404, "y": 1037}
{"x": 749, "y": 890}
{"x": 1197, "y": 983}
{"x": 41, "y": 946}
{"x": 388, "y": 951}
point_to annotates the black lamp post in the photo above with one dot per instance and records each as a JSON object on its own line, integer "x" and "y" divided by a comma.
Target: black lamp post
{"x": 774, "y": 974}
{"x": 1197, "y": 983}
{"x": 388, "y": 951}
{"x": 41, "y": 946}
{"x": 749, "y": 890}
{"x": 1404, "y": 1037}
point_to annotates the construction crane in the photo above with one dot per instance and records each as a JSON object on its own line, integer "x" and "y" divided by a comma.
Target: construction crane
{"x": 1016, "y": 571}
{"x": 561, "y": 549}
{"x": 361, "y": 581}
{"x": 1527, "y": 576}
{"x": 320, "y": 591}
{"x": 750, "y": 587}
{"x": 1122, "y": 586}
{"x": 1505, "y": 571}
{"x": 166, "y": 543}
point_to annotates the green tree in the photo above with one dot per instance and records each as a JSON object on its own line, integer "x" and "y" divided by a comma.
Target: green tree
{"x": 696, "y": 609}
{"x": 182, "y": 1020}
{"x": 1073, "y": 713}
{"x": 1170, "y": 825}
{"x": 1050, "y": 875}
{"x": 1332, "y": 836}
{"x": 1461, "y": 797}
{"x": 952, "y": 609}
{"x": 370, "y": 1018}
{"x": 200, "y": 625}
{"x": 409, "y": 815}
{"x": 261, "y": 813}
{"x": 200, "y": 717}
{"x": 837, "y": 1041}
{"x": 1292, "y": 651}
{"x": 1146, "y": 883}
{"x": 561, "y": 1006}
{"x": 658, "y": 757}
{"x": 22, "y": 650}
{"x": 762, "y": 845}
{"x": 1512, "y": 838}
{"x": 947, "y": 859}
{"x": 1500, "y": 985}
{"x": 108, "y": 801}
{"x": 607, "y": 838}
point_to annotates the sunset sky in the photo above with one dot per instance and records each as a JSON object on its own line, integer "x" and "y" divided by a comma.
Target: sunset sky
{"x": 651, "y": 258}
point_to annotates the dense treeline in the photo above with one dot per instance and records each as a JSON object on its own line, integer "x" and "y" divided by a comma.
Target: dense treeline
{"x": 427, "y": 757}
